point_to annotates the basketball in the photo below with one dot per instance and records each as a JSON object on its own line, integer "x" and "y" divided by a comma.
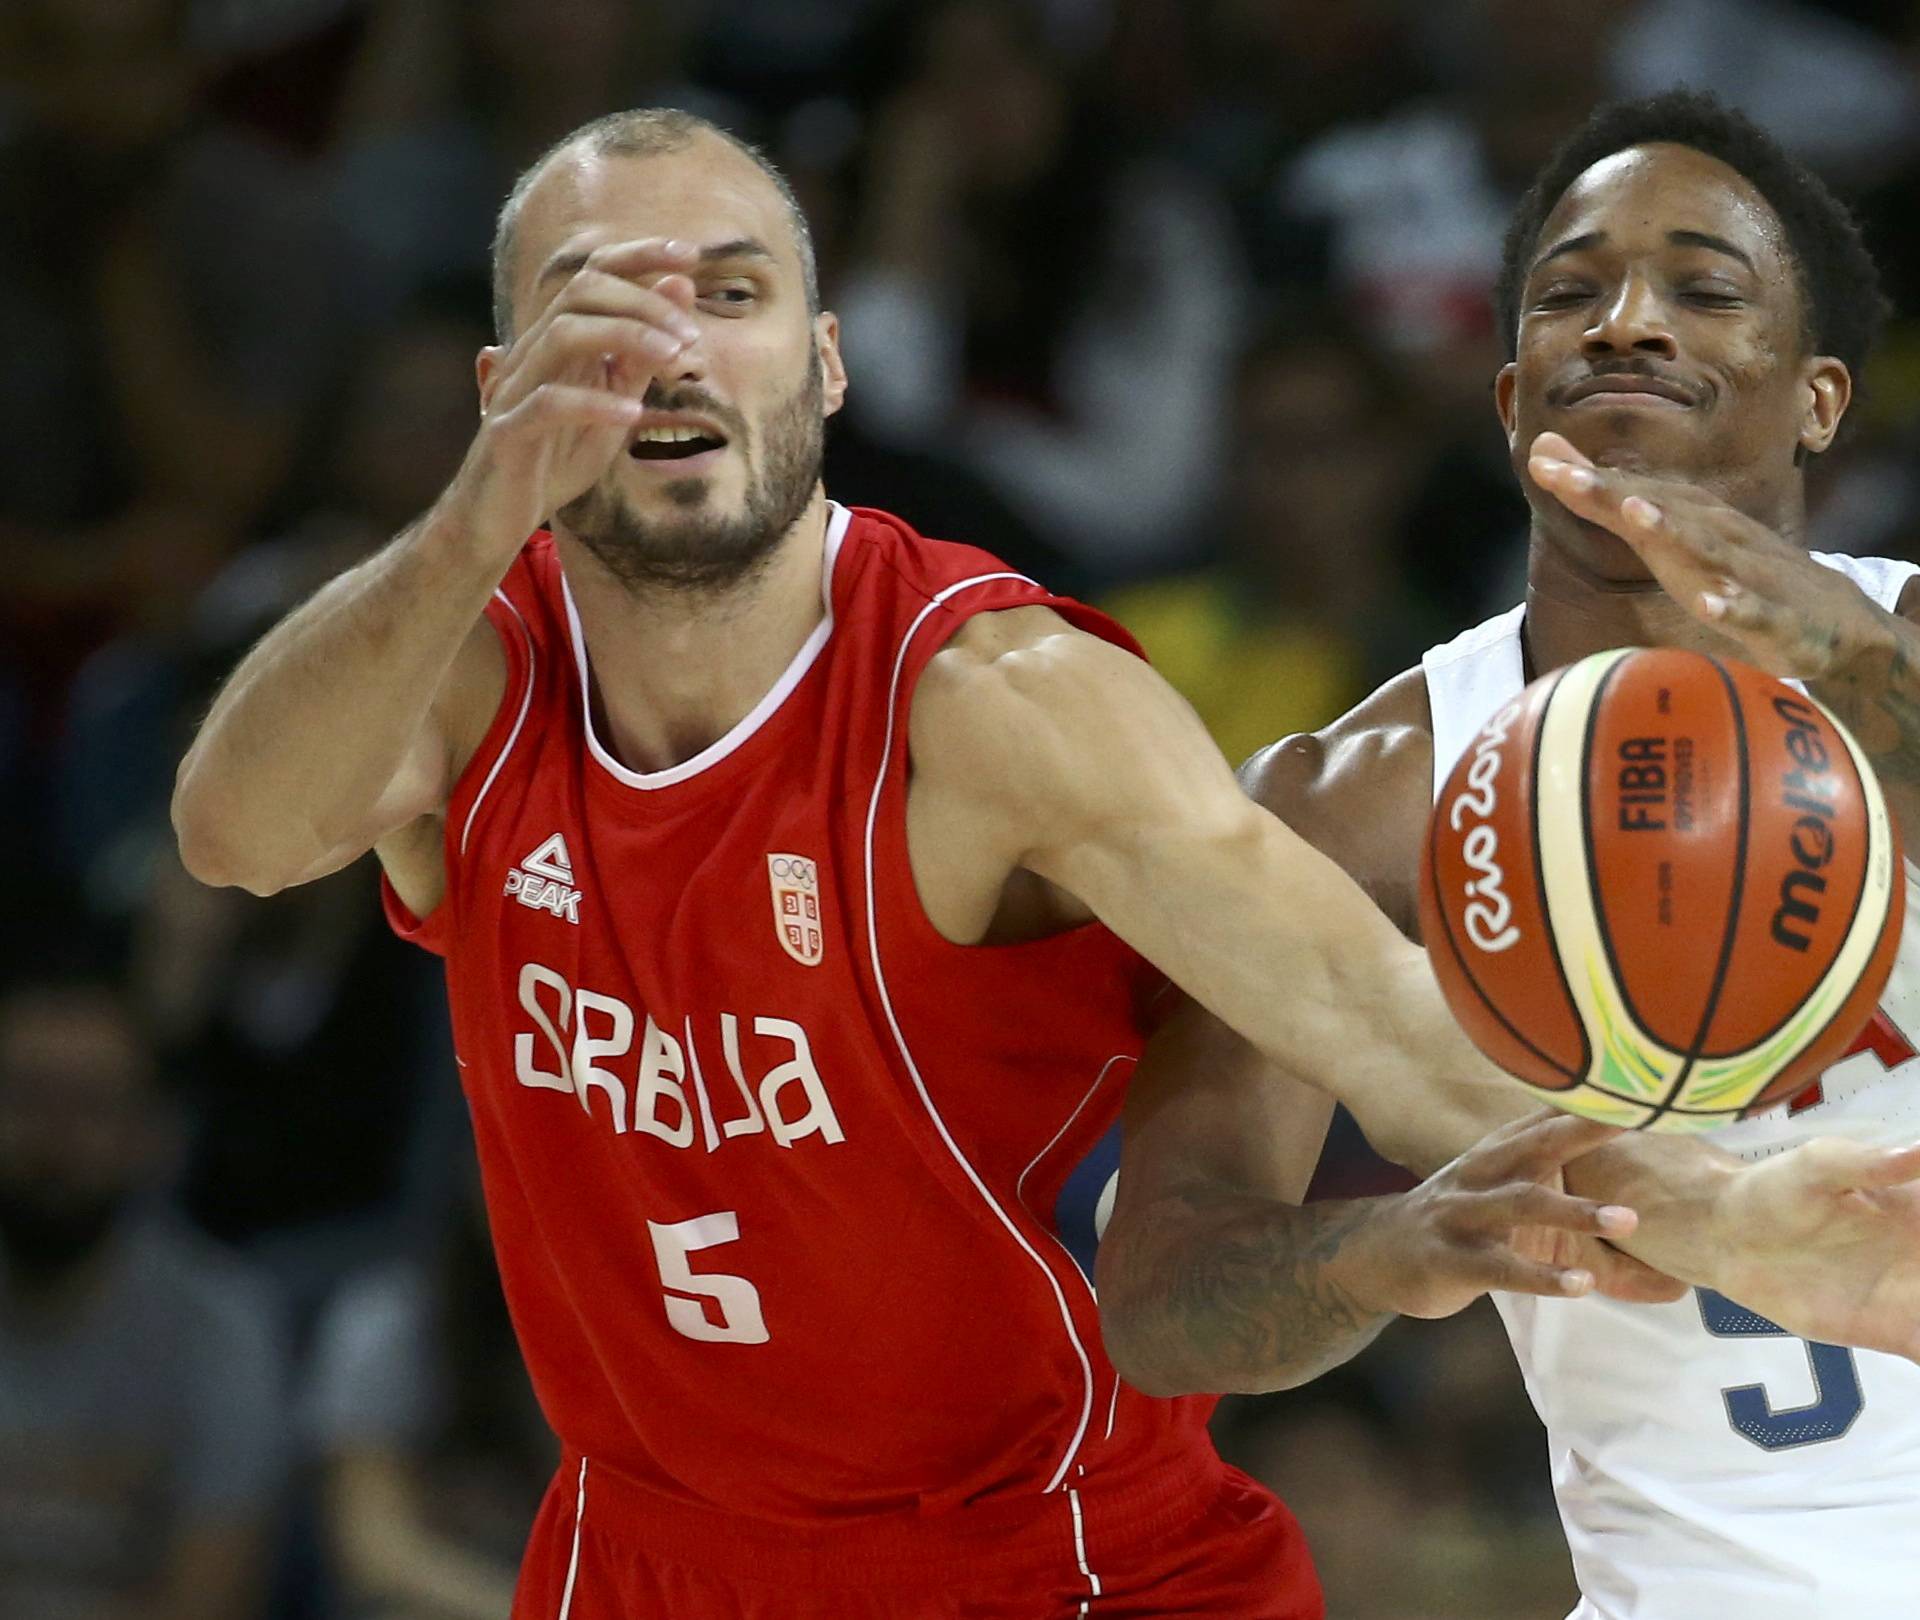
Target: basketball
{"x": 1662, "y": 889}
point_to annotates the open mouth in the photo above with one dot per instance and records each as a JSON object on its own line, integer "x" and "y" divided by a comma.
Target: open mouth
{"x": 672, "y": 443}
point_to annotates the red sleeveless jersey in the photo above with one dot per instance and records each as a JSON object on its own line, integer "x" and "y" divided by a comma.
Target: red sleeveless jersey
{"x": 773, "y": 1168}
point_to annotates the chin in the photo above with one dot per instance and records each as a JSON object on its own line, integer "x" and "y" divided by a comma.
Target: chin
{"x": 1663, "y": 444}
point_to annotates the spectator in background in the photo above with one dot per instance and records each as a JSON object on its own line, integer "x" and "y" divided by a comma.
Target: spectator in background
{"x": 1300, "y": 612}
{"x": 1416, "y": 200}
{"x": 141, "y": 1394}
{"x": 164, "y": 288}
{"x": 450, "y": 99}
{"x": 309, "y": 1038}
{"x": 1034, "y": 296}
{"x": 433, "y": 1452}
{"x": 1243, "y": 86}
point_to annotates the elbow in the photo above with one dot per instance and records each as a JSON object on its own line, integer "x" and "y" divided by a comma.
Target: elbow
{"x": 1134, "y": 1360}
{"x": 208, "y": 850}
{"x": 1133, "y": 1324}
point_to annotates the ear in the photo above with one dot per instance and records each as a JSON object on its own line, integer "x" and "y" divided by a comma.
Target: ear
{"x": 486, "y": 372}
{"x": 833, "y": 370}
{"x": 1828, "y": 390}
{"x": 1503, "y": 390}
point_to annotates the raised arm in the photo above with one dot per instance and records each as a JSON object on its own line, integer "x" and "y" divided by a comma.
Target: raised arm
{"x": 351, "y": 720}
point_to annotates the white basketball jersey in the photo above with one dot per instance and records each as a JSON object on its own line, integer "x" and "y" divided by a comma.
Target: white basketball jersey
{"x": 1707, "y": 1465}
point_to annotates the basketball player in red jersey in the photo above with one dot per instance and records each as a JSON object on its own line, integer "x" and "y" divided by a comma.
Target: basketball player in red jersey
{"x": 1685, "y": 305}
{"x": 764, "y": 842}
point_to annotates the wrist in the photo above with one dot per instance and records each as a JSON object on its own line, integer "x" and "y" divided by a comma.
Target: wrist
{"x": 1870, "y": 645}
{"x": 1366, "y": 1266}
{"x": 453, "y": 542}
{"x": 1685, "y": 1193}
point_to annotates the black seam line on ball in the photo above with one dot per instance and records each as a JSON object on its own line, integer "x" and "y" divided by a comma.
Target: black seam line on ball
{"x": 1720, "y": 971}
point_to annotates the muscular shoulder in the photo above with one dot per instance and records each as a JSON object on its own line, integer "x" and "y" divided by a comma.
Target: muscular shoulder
{"x": 1014, "y": 684}
{"x": 1359, "y": 790}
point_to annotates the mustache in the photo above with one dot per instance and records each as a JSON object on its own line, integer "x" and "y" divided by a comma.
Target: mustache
{"x": 1627, "y": 366}
{"x": 694, "y": 400}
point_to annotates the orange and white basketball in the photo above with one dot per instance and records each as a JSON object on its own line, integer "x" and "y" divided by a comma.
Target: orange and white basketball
{"x": 1662, "y": 889}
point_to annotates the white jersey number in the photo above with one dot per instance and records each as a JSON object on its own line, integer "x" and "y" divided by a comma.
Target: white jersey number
{"x": 736, "y": 1300}
{"x": 1836, "y": 1383}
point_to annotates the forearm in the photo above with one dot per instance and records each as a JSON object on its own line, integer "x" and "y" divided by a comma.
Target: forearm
{"x": 1875, "y": 692}
{"x": 313, "y": 727}
{"x": 1216, "y": 1293}
{"x": 1281, "y": 945}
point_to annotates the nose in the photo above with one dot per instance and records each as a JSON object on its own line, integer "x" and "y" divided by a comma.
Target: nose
{"x": 1633, "y": 321}
{"x": 689, "y": 366}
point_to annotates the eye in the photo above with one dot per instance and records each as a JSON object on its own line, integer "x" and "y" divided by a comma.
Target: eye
{"x": 1561, "y": 297}
{"x": 1711, "y": 298}
{"x": 731, "y": 295}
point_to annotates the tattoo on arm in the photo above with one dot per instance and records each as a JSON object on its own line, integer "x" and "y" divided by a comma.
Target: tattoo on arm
{"x": 1249, "y": 1302}
{"x": 1878, "y": 700}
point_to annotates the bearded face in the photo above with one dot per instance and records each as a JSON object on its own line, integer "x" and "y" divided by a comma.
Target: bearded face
{"x": 697, "y": 543}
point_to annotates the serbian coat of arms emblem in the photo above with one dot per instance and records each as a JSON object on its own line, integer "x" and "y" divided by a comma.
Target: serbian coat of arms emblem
{"x": 796, "y": 907}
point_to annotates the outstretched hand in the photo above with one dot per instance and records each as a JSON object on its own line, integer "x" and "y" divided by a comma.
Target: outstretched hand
{"x": 1789, "y": 615}
{"x": 1498, "y": 1218}
{"x": 1824, "y": 1239}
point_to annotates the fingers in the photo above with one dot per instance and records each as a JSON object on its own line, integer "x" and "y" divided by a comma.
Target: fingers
{"x": 637, "y": 257}
{"x": 1528, "y": 1204}
{"x": 1635, "y": 508}
{"x": 1557, "y": 447}
{"x": 1620, "y": 1276}
{"x": 1514, "y": 1275}
{"x": 554, "y": 405}
{"x": 1840, "y": 1165}
{"x": 663, "y": 303}
{"x": 586, "y": 350}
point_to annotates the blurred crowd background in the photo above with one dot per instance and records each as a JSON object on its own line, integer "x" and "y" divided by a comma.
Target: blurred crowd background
{"x": 1179, "y": 305}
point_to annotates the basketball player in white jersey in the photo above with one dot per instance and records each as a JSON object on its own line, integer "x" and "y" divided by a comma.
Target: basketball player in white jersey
{"x": 1686, "y": 306}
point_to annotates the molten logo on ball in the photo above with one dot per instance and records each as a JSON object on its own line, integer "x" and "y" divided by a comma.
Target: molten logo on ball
{"x": 1808, "y": 789}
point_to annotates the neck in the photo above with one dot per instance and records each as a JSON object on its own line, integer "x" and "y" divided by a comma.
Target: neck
{"x": 673, "y": 671}
{"x": 1573, "y": 610}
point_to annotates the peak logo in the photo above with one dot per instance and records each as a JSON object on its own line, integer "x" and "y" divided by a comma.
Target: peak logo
{"x": 543, "y": 881}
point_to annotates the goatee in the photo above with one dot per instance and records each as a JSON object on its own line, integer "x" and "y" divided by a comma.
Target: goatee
{"x": 705, "y": 552}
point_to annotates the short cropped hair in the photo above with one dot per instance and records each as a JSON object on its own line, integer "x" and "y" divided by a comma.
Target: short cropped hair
{"x": 1841, "y": 298}
{"x": 640, "y": 132}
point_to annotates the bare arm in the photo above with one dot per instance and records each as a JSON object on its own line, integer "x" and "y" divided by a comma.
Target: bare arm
{"x": 1077, "y": 762}
{"x": 339, "y": 727}
{"x": 1213, "y": 1277}
{"x": 349, "y": 722}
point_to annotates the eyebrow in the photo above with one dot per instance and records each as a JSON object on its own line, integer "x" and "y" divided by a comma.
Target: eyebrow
{"x": 741, "y": 247}
{"x": 1700, "y": 239}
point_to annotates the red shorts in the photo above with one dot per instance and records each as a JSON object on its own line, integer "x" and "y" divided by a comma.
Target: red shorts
{"x": 1216, "y": 1545}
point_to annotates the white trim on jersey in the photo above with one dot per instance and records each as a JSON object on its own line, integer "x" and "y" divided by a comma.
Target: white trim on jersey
{"x": 838, "y": 520}
{"x": 1020, "y": 1183}
{"x": 513, "y": 736}
{"x": 573, "y": 1560}
{"x": 900, "y": 1039}
{"x": 1080, "y": 1549}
